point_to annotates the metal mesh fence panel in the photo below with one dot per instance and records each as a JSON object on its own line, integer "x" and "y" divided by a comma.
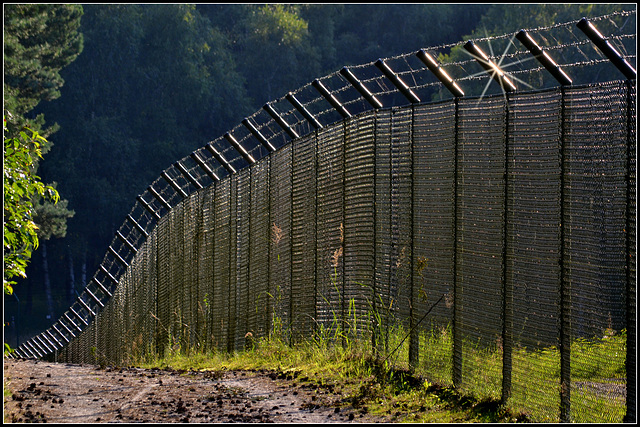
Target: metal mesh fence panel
{"x": 203, "y": 265}
{"x": 281, "y": 244}
{"x": 148, "y": 294}
{"x": 221, "y": 267}
{"x": 486, "y": 243}
{"x": 179, "y": 308}
{"x": 259, "y": 262}
{"x": 434, "y": 206}
{"x": 479, "y": 269}
{"x": 330, "y": 222}
{"x": 303, "y": 245}
{"x": 232, "y": 280}
{"x": 192, "y": 223}
{"x": 382, "y": 215}
{"x": 533, "y": 253}
{"x": 401, "y": 285}
{"x": 631, "y": 362}
{"x": 358, "y": 229}
{"x": 595, "y": 249}
{"x": 163, "y": 306}
{"x": 243, "y": 233}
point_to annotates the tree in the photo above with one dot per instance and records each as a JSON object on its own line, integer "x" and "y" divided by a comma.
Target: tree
{"x": 20, "y": 186}
{"x": 272, "y": 47}
{"x": 153, "y": 83}
{"x": 39, "y": 40}
{"x": 52, "y": 222}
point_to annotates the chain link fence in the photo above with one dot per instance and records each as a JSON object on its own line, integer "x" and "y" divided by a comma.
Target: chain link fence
{"x": 496, "y": 233}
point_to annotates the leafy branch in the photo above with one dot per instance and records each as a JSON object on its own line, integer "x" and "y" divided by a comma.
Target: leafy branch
{"x": 22, "y": 149}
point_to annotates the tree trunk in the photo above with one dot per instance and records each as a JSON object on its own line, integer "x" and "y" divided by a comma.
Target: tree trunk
{"x": 83, "y": 270}
{"x": 72, "y": 278}
{"x": 29, "y": 299}
{"x": 47, "y": 281}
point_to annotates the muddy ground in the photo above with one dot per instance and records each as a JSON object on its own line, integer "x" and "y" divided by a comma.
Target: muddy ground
{"x": 69, "y": 393}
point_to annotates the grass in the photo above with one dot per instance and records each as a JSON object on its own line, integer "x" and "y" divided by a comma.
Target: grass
{"x": 350, "y": 369}
{"x": 598, "y": 375}
{"x": 352, "y": 375}
{"x": 7, "y": 395}
{"x": 340, "y": 358}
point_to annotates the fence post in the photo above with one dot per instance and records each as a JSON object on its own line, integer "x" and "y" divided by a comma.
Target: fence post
{"x": 314, "y": 325}
{"x": 343, "y": 302}
{"x": 375, "y": 326}
{"x": 507, "y": 285}
{"x": 414, "y": 340}
{"x": 457, "y": 338}
{"x": 232, "y": 260}
{"x": 291, "y": 177}
{"x": 269, "y": 299}
{"x": 630, "y": 416}
{"x": 248, "y": 325}
{"x": 393, "y": 246}
{"x": 565, "y": 296}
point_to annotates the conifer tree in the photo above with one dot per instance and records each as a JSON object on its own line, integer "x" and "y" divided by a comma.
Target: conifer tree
{"x": 39, "y": 40}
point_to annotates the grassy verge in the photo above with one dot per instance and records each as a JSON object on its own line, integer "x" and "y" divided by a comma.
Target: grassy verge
{"x": 385, "y": 386}
{"x": 598, "y": 375}
{"x": 6, "y": 396}
{"x": 353, "y": 376}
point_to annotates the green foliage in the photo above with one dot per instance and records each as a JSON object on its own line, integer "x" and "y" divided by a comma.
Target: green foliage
{"x": 20, "y": 186}
{"x": 272, "y": 47}
{"x": 153, "y": 83}
{"x": 51, "y": 217}
{"x": 39, "y": 40}
{"x": 277, "y": 23}
{"x": 7, "y": 349}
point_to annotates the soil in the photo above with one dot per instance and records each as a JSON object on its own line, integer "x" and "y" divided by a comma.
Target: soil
{"x": 70, "y": 393}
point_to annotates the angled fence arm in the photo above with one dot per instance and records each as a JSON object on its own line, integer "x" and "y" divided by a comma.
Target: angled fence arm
{"x": 397, "y": 81}
{"x": 239, "y": 148}
{"x": 187, "y": 175}
{"x": 281, "y": 122}
{"x": 544, "y": 58}
{"x": 196, "y": 158}
{"x": 303, "y": 110}
{"x": 607, "y": 49}
{"x": 492, "y": 69}
{"x": 146, "y": 205}
{"x": 440, "y": 73}
{"x": 218, "y": 156}
{"x": 173, "y": 184}
{"x": 331, "y": 99}
{"x": 256, "y": 133}
{"x": 366, "y": 94}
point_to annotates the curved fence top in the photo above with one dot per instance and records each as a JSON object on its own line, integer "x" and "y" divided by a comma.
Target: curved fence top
{"x": 495, "y": 64}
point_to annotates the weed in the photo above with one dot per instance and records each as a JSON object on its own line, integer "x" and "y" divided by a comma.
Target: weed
{"x": 344, "y": 355}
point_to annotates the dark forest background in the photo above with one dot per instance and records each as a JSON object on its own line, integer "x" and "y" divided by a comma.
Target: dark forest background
{"x": 148, "y": 84}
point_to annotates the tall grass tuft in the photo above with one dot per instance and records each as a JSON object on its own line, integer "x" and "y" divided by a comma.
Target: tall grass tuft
{"x": 343, "y": 352}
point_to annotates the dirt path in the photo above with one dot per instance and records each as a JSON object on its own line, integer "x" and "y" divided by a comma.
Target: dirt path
{"x": 68, "y": 393}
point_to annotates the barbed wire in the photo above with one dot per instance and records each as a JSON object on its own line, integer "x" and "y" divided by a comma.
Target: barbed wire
{"x": 574, "y": 51}
{"x": 220, "y": 158}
